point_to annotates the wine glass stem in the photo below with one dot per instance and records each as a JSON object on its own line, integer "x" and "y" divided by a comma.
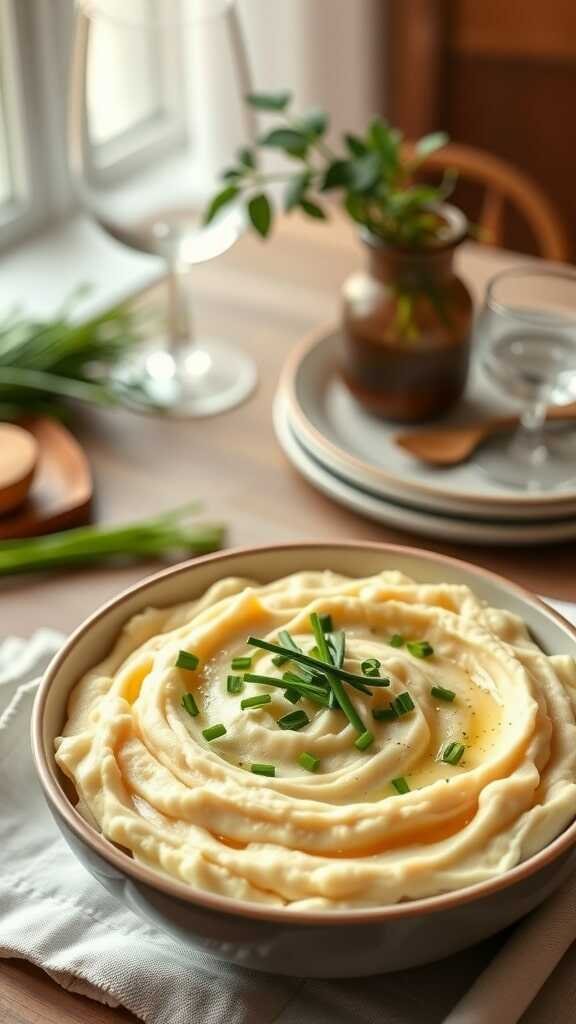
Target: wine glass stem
{"x": 180, "y": 325}
{"x": 528, "y": 445}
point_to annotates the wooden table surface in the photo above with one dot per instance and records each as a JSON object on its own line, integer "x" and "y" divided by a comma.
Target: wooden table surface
{"x": 265, "y": 297}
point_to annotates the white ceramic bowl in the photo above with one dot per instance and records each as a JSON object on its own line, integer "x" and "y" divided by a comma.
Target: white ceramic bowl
{"x": 305, "y": 943}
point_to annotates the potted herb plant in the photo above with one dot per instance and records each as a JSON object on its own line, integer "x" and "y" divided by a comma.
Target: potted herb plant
{"x": 406, "y": 319}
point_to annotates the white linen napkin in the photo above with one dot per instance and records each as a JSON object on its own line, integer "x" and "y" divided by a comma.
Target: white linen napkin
{"x": 54, "y": 914}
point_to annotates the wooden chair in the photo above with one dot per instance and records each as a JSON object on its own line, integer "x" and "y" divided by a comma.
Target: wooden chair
{"x": 503, "y": 183}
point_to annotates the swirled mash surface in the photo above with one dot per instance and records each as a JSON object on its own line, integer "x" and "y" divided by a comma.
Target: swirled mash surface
{"x": 340, "y": 836}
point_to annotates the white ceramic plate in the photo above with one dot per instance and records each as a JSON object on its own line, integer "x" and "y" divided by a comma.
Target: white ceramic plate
{"x": 360, "y": 448}
{"x": 406, "y": 517}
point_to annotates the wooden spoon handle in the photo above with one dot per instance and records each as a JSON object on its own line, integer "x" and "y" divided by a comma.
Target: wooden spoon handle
{"x": 555, "y": 412}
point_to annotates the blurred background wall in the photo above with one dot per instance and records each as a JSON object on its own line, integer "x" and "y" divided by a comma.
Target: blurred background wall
{"x": 498, "y": 74}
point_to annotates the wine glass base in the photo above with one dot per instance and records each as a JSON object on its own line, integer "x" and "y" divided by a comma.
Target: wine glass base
{"x": 206, "y": 378}
{"x": 497, "y": 461}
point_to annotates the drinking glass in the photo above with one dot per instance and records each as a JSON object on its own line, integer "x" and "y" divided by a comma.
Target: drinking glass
{"x": 144, "y": 72}
{"x": 526, "y": 335}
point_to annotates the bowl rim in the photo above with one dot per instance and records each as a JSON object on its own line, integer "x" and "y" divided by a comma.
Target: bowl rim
{"x": 179, "y": 890}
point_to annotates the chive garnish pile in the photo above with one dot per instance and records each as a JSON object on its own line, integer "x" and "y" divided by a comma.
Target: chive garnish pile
{"x": 320, "y": 678}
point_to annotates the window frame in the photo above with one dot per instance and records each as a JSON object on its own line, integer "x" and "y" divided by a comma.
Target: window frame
{"x": 37, "y": 38}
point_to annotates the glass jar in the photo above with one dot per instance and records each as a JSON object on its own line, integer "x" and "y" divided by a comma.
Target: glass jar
{"x": 406, "y": 323}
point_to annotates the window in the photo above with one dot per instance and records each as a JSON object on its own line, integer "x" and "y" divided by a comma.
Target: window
{"x": 135, "y": 114}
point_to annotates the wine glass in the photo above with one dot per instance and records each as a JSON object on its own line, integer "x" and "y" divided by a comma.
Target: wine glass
{"x": 143, "y": 73}
{"x": 526, "y": 333}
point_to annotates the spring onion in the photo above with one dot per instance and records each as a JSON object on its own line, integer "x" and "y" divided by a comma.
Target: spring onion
{"x": 255, "y": 702}
{"x": 213, "y": 732}
{"x": 234, "y": 684}
{"x": 305, "y": 689}
{"x": 241, "y": 663}
{"x": 190, "y": 705}
{"x": 317, "y": 663}
{"x": 292, "y": 695}
{"x": 452, "y": 753}
{"x": 287, "y": 641}
{"x": 308, "y": 761}
{"x": 419, "y": 648}
{"x": 335, "y": 683}
{"x": 263, "y": 769}
{"x": 400, "y": 784}
{"x": 326, "y": 623}
{"x": 397, "y": 640}
{"x": 370, "y": 667}
{"x": 364, "y": 740}
{"x": 294, "y": 721}
{"x": 403, "y": 704}
{"x": 442, "y": 694}
{"x": 166, "y": 535}
{"x": 187, "y": 660}
{"x": 385, "y": 714}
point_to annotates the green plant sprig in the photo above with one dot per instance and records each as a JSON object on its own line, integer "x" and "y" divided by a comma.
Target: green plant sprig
{"x": 45, "y": 361}
{"x": 164, "y": 536}
{"x": 372, "y": 175}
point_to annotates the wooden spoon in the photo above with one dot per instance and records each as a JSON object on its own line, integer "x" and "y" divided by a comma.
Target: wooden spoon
{"x": 18, "y": 458}
{"x": 447, "y": 446}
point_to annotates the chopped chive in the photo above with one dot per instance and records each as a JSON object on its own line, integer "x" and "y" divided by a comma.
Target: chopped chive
{"x": 335, "y": 683}
{"x": 403, "y": 703}
{"x": 213, "y": 732}
{"x": 263, "y": 769}
{"x": 287, "y": 641}
{"x": 397, "y": 640}
{"x": 326, "y": 623}
{"x": 364, "y": 740}
{"x": 385, "y": 714}
{"x": 306, "y": 689}
{"x": 190, "y": 704}
{"x": 255, "y": 702}
{"x": 452, "y": 753}
{"x": 316, "y": 663}
{"x": 294, "y": 720}
{"x": 419, "y": 648}
{"x": 400, "y": 785}
{"x": 292, "y": 695}
{"x": 314, "y": 652}
{"x": 303, "y": 676}
{"x": 332, "y": 701}
{"x": 337, "y": 644}
{"x": 187, "y": 660}
{"x": 234, "y": 684}
{"x": 442, "y": 693}
{"x": 243, "y": 662}
{"x": 371, "y": 667}
{"x": 308, "y": 761}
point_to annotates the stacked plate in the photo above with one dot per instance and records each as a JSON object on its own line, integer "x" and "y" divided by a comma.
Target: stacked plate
{"x": 353, "y": 458}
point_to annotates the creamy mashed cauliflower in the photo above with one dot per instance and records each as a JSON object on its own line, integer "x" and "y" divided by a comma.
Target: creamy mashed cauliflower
{"x": 336, "y": 833}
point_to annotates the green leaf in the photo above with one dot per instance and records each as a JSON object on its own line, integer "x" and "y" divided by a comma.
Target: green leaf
{"x": 289, "y": 139}
{"x": 356, "y": 208}
{"x": 384, "y": 140}
{"x": 366, "y": 171}
{"x": 314, "y": 122}
{"x": 269, "y": 100}
{"x": 312, "y": 209}
{"x": 260, "y": 213}
{"x": 339, "y": 174}
{"x": 295, "y": 190}
{"x": 355, "y": 145}
{"x": 220, "y": 200}
{"x": 232, "y": 173}
{"x": 430, "y": 143}
{"x": 247, "y": 158}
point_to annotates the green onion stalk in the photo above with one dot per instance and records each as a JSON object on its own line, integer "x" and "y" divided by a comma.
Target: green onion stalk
{"x": 166, "y": 536}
